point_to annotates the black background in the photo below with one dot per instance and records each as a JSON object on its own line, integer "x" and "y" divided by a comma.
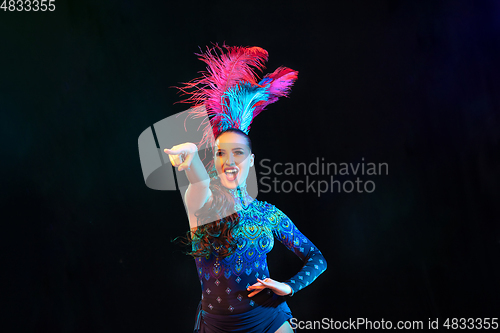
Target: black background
{"x": 415, "y": 84}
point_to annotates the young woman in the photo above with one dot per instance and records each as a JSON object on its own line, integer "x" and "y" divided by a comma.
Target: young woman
{"x": 231, "y": 232}
{"x": 237, "y": 291}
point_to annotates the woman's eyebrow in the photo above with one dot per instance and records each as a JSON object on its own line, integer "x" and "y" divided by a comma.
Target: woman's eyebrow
{"x": 242, "y": 148}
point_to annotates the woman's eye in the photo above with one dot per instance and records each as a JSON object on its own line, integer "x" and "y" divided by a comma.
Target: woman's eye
{"x": 219, "y": 153}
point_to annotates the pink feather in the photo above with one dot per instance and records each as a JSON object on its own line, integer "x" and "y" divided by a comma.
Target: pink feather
{"x": 282, "y": 80}
{"x": 223, "y": 72}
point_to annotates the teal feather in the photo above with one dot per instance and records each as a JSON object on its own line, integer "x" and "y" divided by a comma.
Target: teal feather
{"x": 240, "y": 102}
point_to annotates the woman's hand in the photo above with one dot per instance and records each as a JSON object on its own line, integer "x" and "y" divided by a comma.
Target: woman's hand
{"x": 279, "y": 288}
{"x": 182, "y": 155}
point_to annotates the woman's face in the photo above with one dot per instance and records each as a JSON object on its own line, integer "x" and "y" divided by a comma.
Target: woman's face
{"x": 232, "y": 159}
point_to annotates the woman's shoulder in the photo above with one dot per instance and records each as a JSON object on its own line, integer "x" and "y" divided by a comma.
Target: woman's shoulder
{"x": 263, "y": 205}
{"x": 268, "y": 210}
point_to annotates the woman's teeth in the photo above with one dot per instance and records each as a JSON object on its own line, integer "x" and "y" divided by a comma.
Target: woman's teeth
{"x": 231, "y": 174}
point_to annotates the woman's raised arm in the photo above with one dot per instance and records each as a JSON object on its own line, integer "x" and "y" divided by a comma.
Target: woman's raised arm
{"x": 185, "y": 157}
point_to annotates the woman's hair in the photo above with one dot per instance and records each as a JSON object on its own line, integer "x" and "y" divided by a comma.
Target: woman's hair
{"x": 216, "y": 234}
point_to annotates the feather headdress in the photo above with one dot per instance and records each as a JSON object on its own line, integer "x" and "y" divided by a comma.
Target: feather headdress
{"x": 229, "y": 91}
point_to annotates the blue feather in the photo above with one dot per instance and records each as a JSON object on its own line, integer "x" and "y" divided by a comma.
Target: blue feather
{"x": 240, "y": 102}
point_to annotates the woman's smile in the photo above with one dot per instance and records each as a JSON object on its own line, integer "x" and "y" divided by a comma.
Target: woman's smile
{"x": 231, "y": 173}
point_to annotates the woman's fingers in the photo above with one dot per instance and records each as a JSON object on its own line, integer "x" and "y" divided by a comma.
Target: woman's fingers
{"x": 279, "y": 288}
{"x": 265, "y": 282}
{"x": 187, "y": 162}
{"x": 173, "y": 151}
{"x": 255, "y": 285}
{"x": 175, "y": 155}
{"x": 257, "y": 288}
{"x": 176, "y": 160}
{"x": 255, "y": 292}
{"x": 181, "y": 155}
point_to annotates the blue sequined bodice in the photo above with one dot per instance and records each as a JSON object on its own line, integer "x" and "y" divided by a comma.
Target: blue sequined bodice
{"x": 224, "y": 282}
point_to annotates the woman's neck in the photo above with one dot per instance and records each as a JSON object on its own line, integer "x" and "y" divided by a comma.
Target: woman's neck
{"x": 241, "y": 197}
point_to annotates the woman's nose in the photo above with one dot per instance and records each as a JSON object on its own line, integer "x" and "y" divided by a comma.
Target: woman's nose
{"x": 230, "y": 159}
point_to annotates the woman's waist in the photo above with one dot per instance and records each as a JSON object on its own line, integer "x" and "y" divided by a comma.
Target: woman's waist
{"x": 236, "y": 278}
{"x": 235, "y": 303}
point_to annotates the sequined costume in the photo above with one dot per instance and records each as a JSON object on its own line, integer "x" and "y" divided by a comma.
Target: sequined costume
{"x": 225, "y": 305}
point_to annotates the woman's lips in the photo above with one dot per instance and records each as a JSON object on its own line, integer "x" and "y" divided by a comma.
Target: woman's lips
{"x": 231, "y": 173}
